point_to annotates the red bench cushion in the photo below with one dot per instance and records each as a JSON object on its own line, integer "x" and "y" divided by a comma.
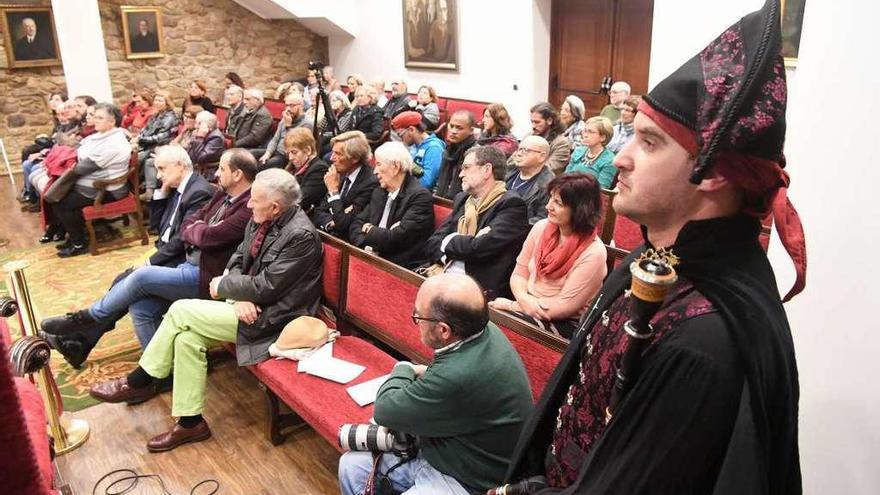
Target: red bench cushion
{"x": 112, "y": 209}
{"x": 627, "y": 234}
{"x": 384, "y": 302}
{"x": 275, "y": 107}
{"x": 441, "y": 213}
{"x": 475, "y": 107}
{"x": 323, "y": 404}
{"x": 332, "y": 274}
{"x": 539, "y": 360}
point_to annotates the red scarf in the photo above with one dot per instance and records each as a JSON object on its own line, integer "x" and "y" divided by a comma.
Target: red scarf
{"x": 554, "y": 260}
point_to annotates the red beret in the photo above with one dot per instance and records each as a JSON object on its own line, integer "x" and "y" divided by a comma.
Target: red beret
{"x": 406, "y": 119}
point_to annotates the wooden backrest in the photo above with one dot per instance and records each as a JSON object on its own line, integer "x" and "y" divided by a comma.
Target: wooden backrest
{"x": 613, "y": 257}
{"x": 609, "y": 216}
{"x": 442, "y": 210}
{"x": 222, "y": 113}
{"x": 332, "y": 278}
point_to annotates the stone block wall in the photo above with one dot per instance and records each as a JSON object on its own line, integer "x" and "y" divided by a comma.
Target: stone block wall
{"x": 204, "y": 39}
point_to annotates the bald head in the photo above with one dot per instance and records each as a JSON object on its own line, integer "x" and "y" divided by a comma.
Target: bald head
{"x": 532, "y": 154}
{"x": 456, "y": 301}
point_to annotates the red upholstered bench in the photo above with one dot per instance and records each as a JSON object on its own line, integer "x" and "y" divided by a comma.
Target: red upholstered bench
{"x": 627, "y": 234}
{"x": 442, "y": 210}
{"x": 275, "y": 107}
{"x": 475, "y": 107}
{"x": 539, "y": 351}
{"x": 221, "y": 113}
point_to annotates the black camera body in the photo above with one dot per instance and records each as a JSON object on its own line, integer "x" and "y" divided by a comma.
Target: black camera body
{"x": 317, "y": 65}
{"x": 375, "y": 438}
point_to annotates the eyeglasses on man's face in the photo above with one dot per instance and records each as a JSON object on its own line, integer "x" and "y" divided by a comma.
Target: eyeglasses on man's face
{"x": 416, "y": 318}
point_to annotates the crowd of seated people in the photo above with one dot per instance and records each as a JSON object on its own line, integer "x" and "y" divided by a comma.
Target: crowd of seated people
{"x": 523, "y": 230}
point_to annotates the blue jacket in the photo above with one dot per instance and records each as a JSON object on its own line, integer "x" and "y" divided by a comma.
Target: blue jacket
{"x": 429, "y": 156}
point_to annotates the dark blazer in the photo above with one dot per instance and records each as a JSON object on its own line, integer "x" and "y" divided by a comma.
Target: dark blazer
{"x": 343, "y": 211}
{"x": 216, "y": 242}
{"x": 311, "y": 183}
{"x": 489, "y": 258}
{"x": 369, "y": 121}
{"x": 396, "y": 105}
{"x": 207, "y": 150}
{"x": 536, "y": 196}
{"x": 233, "y": 119}
{"x": 410, "y": 223}
{"x": 40, "y": 48}
{"x": 159, "y": 129}
{"x": 284, "y": 280}
{"x": 254, "y": 129}
{"x": 198, "y": 192}
{"x": 144, "y": 44}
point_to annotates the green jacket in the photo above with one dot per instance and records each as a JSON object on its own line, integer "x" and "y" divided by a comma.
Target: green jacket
{"x": 467, "y": 409}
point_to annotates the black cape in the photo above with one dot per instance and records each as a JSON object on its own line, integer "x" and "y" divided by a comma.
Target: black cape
{"x": 660, "y": 438}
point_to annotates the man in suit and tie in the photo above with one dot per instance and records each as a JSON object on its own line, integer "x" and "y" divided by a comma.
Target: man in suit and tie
{"x": 195, "y": 244}
{"x": 349, "y": 184}
{"x": 400, "y": 216}
{"x": 33, "y": 45}
{"x": 144, "y": 40}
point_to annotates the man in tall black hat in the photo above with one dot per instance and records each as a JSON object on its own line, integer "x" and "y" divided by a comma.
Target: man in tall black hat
{"x": 714, "y": 408}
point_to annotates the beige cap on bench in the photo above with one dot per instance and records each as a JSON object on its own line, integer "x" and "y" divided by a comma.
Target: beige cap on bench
{"x": 303, "y": 332}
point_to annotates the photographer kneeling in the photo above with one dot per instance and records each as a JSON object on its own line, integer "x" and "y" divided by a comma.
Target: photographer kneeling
{"x": 465, "y": 409}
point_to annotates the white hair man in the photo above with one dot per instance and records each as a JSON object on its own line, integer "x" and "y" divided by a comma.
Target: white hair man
{"x": 255, "y": 125}
{"x": 210, "y": 143}
{"x": 618, "y": 94}
{"x": 269, "y": 292}
{"x": 235, "y": 100}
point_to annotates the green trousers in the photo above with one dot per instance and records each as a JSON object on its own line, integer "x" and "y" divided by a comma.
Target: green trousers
{"x": 189, "y": 328}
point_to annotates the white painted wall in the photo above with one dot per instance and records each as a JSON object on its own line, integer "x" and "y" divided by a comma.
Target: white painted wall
{"x": 81, "y": 41}
{"x": 502, "y": 43}
{"x": 832, "y": 145}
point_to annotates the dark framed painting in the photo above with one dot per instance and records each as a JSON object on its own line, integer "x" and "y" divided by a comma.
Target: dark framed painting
{"x": 792, "y": 21}
{"x": 30, "y": 36}
{"x": 142, "y": 32}
{"x": 430, "y": 34}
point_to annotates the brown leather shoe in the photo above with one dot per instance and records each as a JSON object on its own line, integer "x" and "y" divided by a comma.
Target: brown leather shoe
{"x": 119, "y": 391}
{"x": 178, "y": 436}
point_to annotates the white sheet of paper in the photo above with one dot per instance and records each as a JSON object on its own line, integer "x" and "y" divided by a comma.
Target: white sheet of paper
{"x": 365, "y": 393}
{"x": 325, "y": 352}
{"x": 335, "y": 369}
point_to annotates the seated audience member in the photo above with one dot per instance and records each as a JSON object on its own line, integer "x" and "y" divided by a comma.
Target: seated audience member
{"x": 624, "y": 129}
{"x": 400, "y": 216}
{"x": 104, "y": 155}
{"x": 208, "y": 142}
{"x": 379, "y": 84}
{"x": 562, "y": 263}
{"x": 255, "y": 125}
{"x": 198, "y": 96}
{"x": 459, "y": 139}
{"x": 312, "y": 81}
{"x": 330, "y": 82}
{"x": 81, "y": 104}
{"x": 299, "y": 88}
{"x": 545, "y": 123}
{"x": 619, "y": 92}
{"x": 349, "y": 183}
{"x": 593, "y": 157}
{"x": 194, "y": 254}
{"x": 294, "y": 116}
{"x": 466, "y": 408}
{"x": 366, "y": 116}
{"x": 283, "y": 90}
{"x": 531, "y": 176}
{"x": 185, "y": 135}
{"x": 496, "y": 130}
{"x": 342, "y": 110}
{"x": 571, "y": 114}
{"x": 235, "y": 100}
{"x": 426, "y": 104}
{"x": 139, "y": 111}
{"x": 159, "y": 131}
{"x": 426, "y": 148}
{"x": 306, "y": 166}
{"x": 487, "y": 226}
{"x": 354, "y": 81}
{"x": 399, "y": 101}
{"x": 269, "y": 291}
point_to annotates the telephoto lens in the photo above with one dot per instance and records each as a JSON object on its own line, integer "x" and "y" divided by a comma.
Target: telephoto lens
{"x": 373, "y": 438}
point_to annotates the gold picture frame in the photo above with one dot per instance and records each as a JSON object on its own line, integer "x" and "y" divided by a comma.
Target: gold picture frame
{"x": 430, "y": 34}
{"x": 37, "y": 48}
{"x": 148, "y": 39}
{"x": 792, "y": 23}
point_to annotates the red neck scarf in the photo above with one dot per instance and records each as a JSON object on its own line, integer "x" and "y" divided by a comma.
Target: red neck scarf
{"x": 554, "y": 259}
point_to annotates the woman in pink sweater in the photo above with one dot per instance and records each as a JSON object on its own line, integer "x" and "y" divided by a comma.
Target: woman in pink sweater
{"x": 562, "y": 263}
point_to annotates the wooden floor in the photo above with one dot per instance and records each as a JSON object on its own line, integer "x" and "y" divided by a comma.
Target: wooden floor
{"x": 20, "y": 228}
{"x": 238, "y": 456}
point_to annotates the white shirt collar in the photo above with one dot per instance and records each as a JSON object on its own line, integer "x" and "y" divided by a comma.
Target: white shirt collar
{"x": 184, "y": 183}
{"x": 455, "y": 345}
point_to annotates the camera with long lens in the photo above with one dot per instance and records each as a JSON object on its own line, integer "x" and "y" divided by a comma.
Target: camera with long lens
{"x": 375, "y": 438}
{"x": 317, "y": 65}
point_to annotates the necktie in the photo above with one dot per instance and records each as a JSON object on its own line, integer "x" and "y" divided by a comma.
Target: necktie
{"x": 166, "y": 236}
{"x": 218, "y": 215}
{"x": 386, "y": 213}
{"x": 345, "y": 184}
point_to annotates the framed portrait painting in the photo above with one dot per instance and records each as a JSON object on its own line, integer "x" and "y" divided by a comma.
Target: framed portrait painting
{"x": 792, "y": 21}
{"x": 142, "y": 32}
{"x": 30, "y": 36}
{"x": 430, "y": 34}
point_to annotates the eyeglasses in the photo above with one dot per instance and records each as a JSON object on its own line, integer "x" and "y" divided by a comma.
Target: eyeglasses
{"x": 527, "y": 150}
{"x": 415, "y": 318}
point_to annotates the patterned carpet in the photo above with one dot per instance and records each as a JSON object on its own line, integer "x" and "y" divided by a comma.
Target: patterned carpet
{"x": 60, "y": 285}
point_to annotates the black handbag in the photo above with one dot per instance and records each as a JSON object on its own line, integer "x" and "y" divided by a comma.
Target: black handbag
{"x": 59, "y": 189}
